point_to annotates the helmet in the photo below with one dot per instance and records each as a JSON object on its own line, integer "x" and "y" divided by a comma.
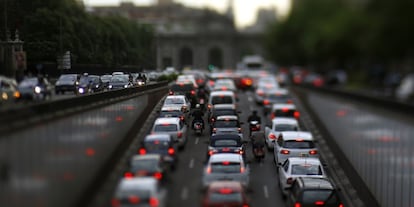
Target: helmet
{"x": 197, "y": 106}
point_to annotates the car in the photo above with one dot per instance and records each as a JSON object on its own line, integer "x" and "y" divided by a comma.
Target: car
{"x": 119, "y": 82}
{"x": 277, "y": 126}
{"x": 225, "y": 85}
{"x": 275, "y": 96}
{"x": 177, "y": 100}
{"x": 263, "y": 85}
{"x": 147, "y": 165}
{"x": 309, "y": 191}
{"x": 226, "y": 166}
{"x": 35, "y": 88}
{"x": 225, "y": 193}
{"x": 405, "y": 91}
{"x": 173, "y": 111}
{"x": 187, "y": 78}
{"x": 228, "y": 124}
{"x": 188, "y": 89}
{"x": 162, "y": 144}
{"x": 283, "y": 110}
{"x": 295, "y": 167}
{"x": 221, "y": 97}
{"x": 222, "y": 110}
{"x": 172, "y": 126}
{"x": 8, "y": 90}
{"x": 89, "y": 84}
{"x": 141, "y": 191}
{"x": 67, "y": 82}
{"x": 294, "y": 144}
{"x": 105, "y": 80}
{"x": 226, "y": 143}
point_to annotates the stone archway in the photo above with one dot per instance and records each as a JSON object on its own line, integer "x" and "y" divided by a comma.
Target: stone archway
{"x": 215, "y": 57}
{"x": 186, "y": 57}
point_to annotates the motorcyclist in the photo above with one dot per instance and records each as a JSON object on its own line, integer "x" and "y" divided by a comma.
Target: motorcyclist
{"x": 254, "y": 117}
{"x": 258, "y": 140}
{"x": 198, "y": 115}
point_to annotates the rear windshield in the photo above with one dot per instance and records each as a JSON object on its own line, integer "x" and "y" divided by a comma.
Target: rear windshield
{"x": 221, "y": 100}
{"x": 298, "y": 144}
{"x": 283, "y": 113}
{"x": 224, "y": 197}
{"x": 225, "y": 143}
{"x": 285, "y": 127}
{"x": 225, "y": 167}
{"x": 170, "y": 114}
{"x": 165, "y": 128}
{"x": 145, "y": 164}
{"x": 174, "y": 101}
{"x": 225, "y": 124}
{"x": 224, "y": 112}
{"x": 306, "y": 170}
{"x": 327, "y": 196}
{"x": 156, "y": 145}
{"x": 182, "y": 88}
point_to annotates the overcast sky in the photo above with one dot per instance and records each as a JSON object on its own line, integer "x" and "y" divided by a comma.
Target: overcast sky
{"x": 245, "y": 10}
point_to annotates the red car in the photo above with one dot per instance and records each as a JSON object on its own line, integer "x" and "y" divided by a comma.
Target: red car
{"x": 225, "y": 194}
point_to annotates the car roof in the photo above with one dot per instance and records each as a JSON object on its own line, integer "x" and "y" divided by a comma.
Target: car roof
{"x": 167, "y": 120}
{"x": 282, "y": 106}
{"x": 235, "y": 185}
{"x": 227, "y": 117}
{"x": 316, "y": 183}
{"x": 225, "y": 93}
{"x": 149, "y": 183}
{"x": 146, "y": 157}
{"x": 231, "y": 157}
{"x": 283, "y": 120}
{"x": 304, "y": 160}
{"x": 294, "y": 135}
{"x": 162, "y": 137}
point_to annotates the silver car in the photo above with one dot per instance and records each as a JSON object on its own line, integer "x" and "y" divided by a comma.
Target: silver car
{"x": 228, "y": 124}
{"x": 172, "y": 126}
{"x": 226, "y": 166}
{"x": 294, "y": 144}
{"x": 278, "y": 126}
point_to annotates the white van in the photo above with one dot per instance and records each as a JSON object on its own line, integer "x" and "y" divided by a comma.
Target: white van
{"x": 221, "y": 97}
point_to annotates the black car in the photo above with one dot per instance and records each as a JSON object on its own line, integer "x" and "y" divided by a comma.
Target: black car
{"x": 119, "y": 82}
{"x": 67, "y": 82}
{"x": 90, "y": 84}
{"x": 150, "y": 165}
{"x": 226, "y": 143}
{"x": 185, "y": 88}
{"x": 307, "y": 192}
{"x": 105, "y": 80}
{"x": 35, "y": 89}
{"x": 162, "y": 144}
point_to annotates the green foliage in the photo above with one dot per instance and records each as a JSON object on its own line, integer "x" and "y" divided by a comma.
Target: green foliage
{"x": 169, "y": 78}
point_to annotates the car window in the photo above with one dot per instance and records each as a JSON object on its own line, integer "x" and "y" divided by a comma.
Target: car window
{"x": 285, "y": 127}
{"x": 165, "y": 128}
{"x": 224, "y": 196}
{"x": 174, "y": 101}
{"x": 156, "y": 145}
{"x": 67, "y": 78}
{"x": 298, "y": 144}
{"x": 221, "y": 100}
{"x": 284, "y": 113}
{"x": 28, "y": 82}
{"x": 225, "y": 167}
{"x": 144, "y": 164}
{"x": 306, "y": 170}
{"x": 170, "y": 114}
{"x": 226, "y": 124}
{"x": 286, "y": 165}
{"x": 327, "y": 196}
{"x": 225, "y": 143}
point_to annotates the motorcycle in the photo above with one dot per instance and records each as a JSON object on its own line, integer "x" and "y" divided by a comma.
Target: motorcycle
{"x": 254, "y": 126}
{"x": 198, "y": 127}
{"x": 140, "y": 82}
{"x": 202, "y": 103}
{"x": 259, "y": 153}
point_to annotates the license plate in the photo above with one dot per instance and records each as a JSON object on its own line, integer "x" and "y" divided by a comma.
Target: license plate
{"x": 304, "y": 154}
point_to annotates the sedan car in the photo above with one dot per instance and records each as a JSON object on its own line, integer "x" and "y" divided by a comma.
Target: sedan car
{"x": 226, "y": 143}
{"x": 178, "y": 101}
{"x": 227, "y": 125}
{"x": 225, "y": 193}
{"x": 161, "y": 144}
{"x": 8, "y": 90}
{"x": 226, "y": 166}
{"x": 67, "y": 82}
{"x": 150, "y": 165}
{"x": 275, "y": 96}
{"x": 172, "y": 126}
{"x": 35, "y": 89}
{"x": 283, "y": 110}
{"x": 119, "y": 82}
{"x": 222, "y": 110}
{"x": 89, "y": 84}
{"x": 173, "y": 111}
{"x": 277, "y": 126}
{"x": 294, "y": 144}
{"x": 141, "y": 191}
{"x": 295, "y": 167}
{"x": 225, "y": 85}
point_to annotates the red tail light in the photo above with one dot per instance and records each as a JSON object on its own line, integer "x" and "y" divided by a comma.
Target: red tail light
{"x": 298, "y": 205}
{"x": 209, "y": 106}
{"x": 212, "y": 119}
{"x": 272, "y": 116}
{"x": 296, "y": 114}
{"x": 226, "y": 191}
{"x": 158, "y": 175}
{"x": 128, "y": 175}
{"x": 285, "y": 110}
{"x": 319, "y": 203}
{"x": 272, "y": 136}
{"x": 182, "y": 118}
{"x": 341, "y": 205}
{"x": 153, "y": 202}
{"x": 266, "y": 102}
{"x": 115, "y": 202}
{"x": 210, "y": 152}
{"x": 224, "y": 88}
{"x": 171, "y": 151}
{"x": 245, "y": 205}
{"x": 285, "y": 152}
{"x": 239, "y": 129}
{"x": 240, "y": 151}
{"x": 289, "y": 181}
{"x": 179, "y": 134}
{"x": 133, "y": 199}
{"x": 242, "y": 169}
{"x": 313, "y": 152}
{"x": 214, "y": 130}
{"x": 193, "y": 92}
{"x": 289, "y": 101}
{"x": 260, "y": 93}
{"x": 142, "y": 151}
{"x": 208, "y": 170}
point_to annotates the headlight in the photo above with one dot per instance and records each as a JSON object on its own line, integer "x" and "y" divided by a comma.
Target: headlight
{"x": 4, "y": 96}
{"x": 97, "y": 86}
{"x": 37, "y": 89}
{"x": 110, "y": 86}
{"x": 77, "y": 83}
{"x": 125, "y": 86}
{"x": 81, "y": 90}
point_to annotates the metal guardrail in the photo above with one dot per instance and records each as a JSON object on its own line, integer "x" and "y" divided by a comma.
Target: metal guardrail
{"x": 19, "y": 117}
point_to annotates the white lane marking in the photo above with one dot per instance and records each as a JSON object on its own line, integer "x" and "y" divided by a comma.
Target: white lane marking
{"x": 250, "y": 99}
{"x": 184, "y": 193}
{"x": 191, "y": 165}
{"x": 266, "y": 192}
{"x": 197, "y": 140}
{"x": 261, "y": 164}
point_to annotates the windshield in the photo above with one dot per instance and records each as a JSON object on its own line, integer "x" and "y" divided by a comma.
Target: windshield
{"x": 156, "y": 145}
{"x": 170, "y": 114}
{"x": 222, "y": 100}
{"x": 28, "y": 82}
{"x": 306, "y": 169}
{"x": 223, "y": 197}
{"x": 119, "y": 79}
{"x": 67, "y": 78}
{"x": 84, "y": 80}
{"x": 182, "y": 87}
{"x": 224, "y": 112}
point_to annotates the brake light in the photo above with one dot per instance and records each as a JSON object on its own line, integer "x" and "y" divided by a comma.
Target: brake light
{"x": 239, "y": 129}
{"x": 298, "y": 205}
{"x": 226, "y": 191}
{"x": 182, "y": 118}
{"x": 225, "y": 163}
{"x": 209, "y": 106}
{"x": 245, "y": 205}
{"x": 171, "y": 151}
{"x": 289, "y": 101}
{"x": 115, "y": 202}
{"x": 272, "y": 136}
{"x": 142, "y": 151}
{"x": 158, "y": 175}
{"x": 208, "y": 170}
{"x": 313, "y": 152}
{"x": 319, "y": 203}
{"x": 296, "y": 114}
{"x": 133, "y": 199}
{"x": 242, "y": 169}
{"x": 214, "y": 130}
{"x": 272, "y": 116}
{"x": 240, "y": 151}
{"x": 341, "y": 205}
{"x": 153, "y": 202}
{"x": 224, "y": 88}
{"x": 266, "y": 102}
{"x": 260, "y": 93}
{"x": 289, "y": 181}
{"x": 193, "y": 92}
{"x": 212, "y": 119}
{"x": 171, "y": 93}
{"x": 226, "y": 150}
{"x": 128, "y": 175}
{"x": 285, "y": 152}
{"x": 285, "y": 110}
{"x": 179, "y": 134}
{"x": 210, "y": 152}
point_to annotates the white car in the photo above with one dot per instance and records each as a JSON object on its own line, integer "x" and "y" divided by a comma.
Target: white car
{"x": 227, "y": 124}
{"x": 295, "y": 167}
{"x": 294, "y": 144}
{"x": 172, "y": 126}
{"x": 224, "y": 85}
{"x": 226, "y": 166}
{"x": 277, "y": 126}
{"x": 282, "y": 110}
{"x": 177, "y": 100}
{"x": 141, "y": 191}
{"x": 221, "y": 97}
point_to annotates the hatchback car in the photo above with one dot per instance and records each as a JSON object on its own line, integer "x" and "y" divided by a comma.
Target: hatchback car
{"x": 277, "y": 126}
{"x": 225, "y": 85}
{"x": 177, "y": 100}
{"x": 150, "y": 165}
{"x": 226, "y": 143}
{"x": 227, "y": 125}
{"x": 67, "y": 82}
{"x": 139, "y": 192}
{"x": 189, "y": 89}
{"x": 226, "y": 166}
{"x": 35, "y": 89}
{"x": 221, "y": 97}
{"x": 295, "y": 167}
{"x": 294, "y": 144}
{"x": 162, "y": 144}
{"x": 225, "y": 193}
{"x": 283, "y": 110}
{"x": 276, "y": 96}
{"x": 119, "y": 82}
{"x": 172, "y": 126}
{"x": 221, "y": 110}
{"x": 173, "y": 111}
{"x": 309, "y": 192}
